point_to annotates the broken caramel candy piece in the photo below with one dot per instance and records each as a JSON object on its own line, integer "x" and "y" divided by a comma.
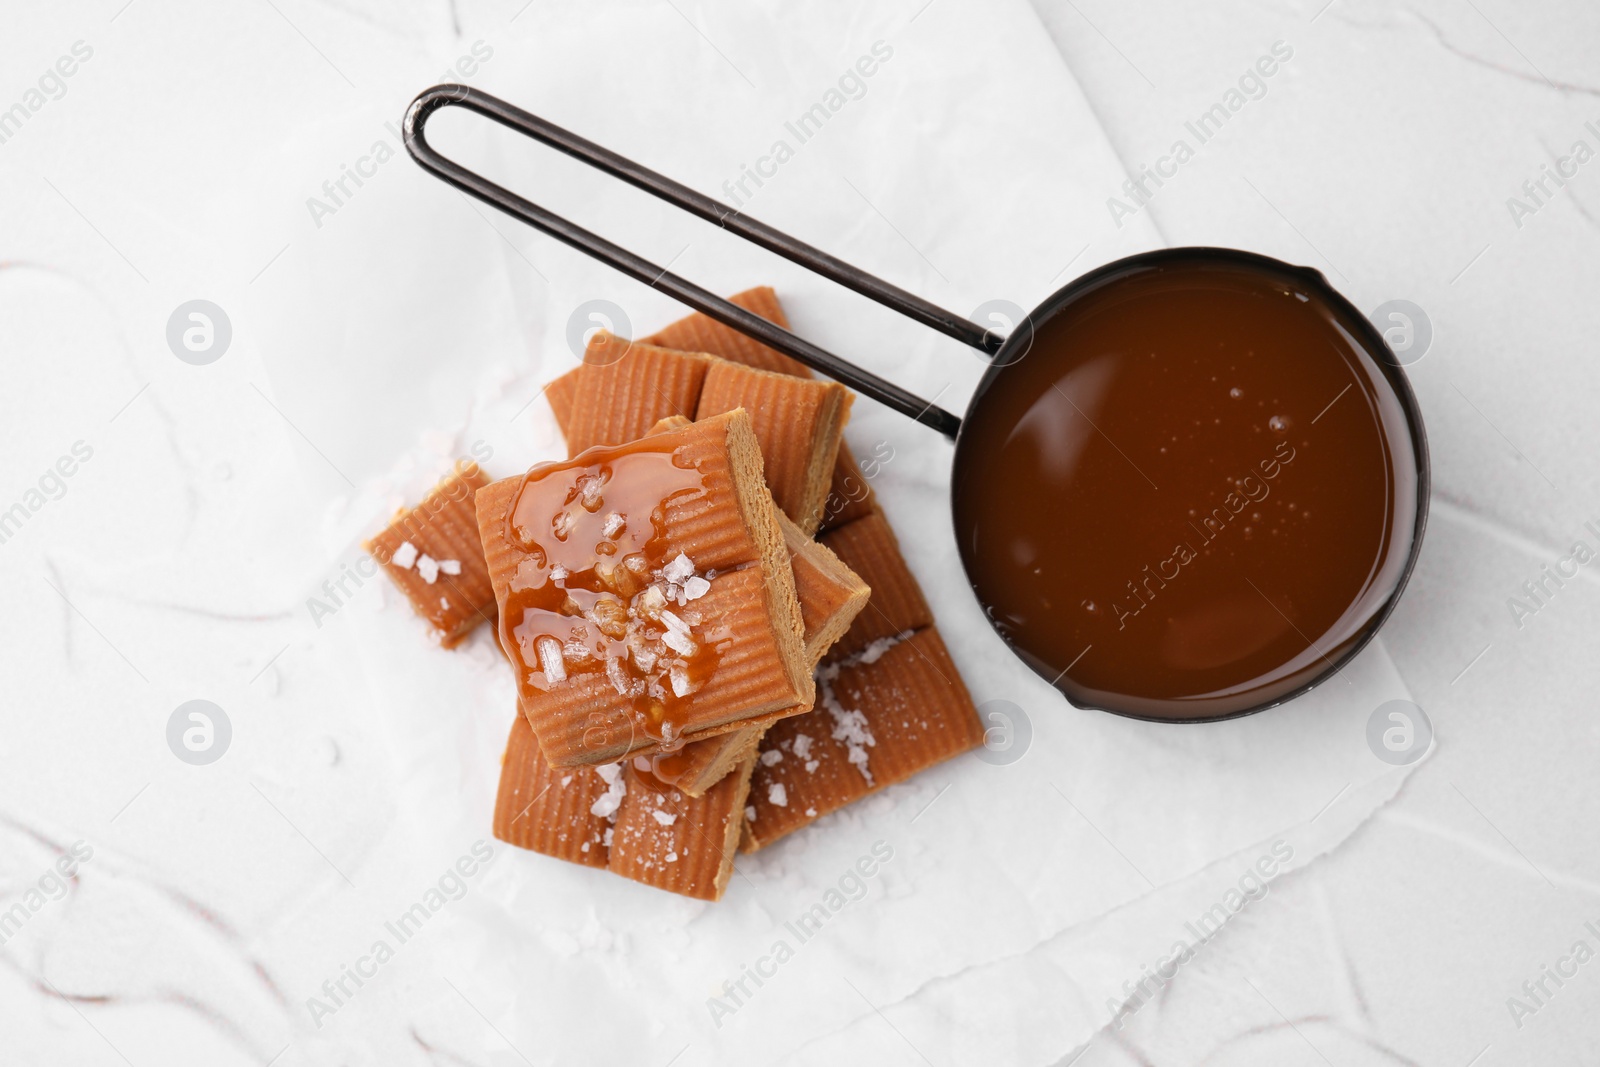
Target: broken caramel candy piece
{"x": 831, "y": 595}
{"x": 850, "y": 495}
{"x": 799, "y": 423}
{"x": 869, "y": 548}
{"x": 679, "y": 843}
{"x": 897, "y": 709}
{"x": 432, "y": 553}
{"x": 701, "y": 333}
{"x": 549, "y": 810}
{"x": 624, "y": 387}
{"x": 645, "y": 593}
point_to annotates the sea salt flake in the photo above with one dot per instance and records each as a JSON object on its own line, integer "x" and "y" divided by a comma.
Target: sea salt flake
{"x": 551, "y": 659}
{"x": 444, "y": 602}
{"x": 749, "y": 813}
{"x": 428, "y": 567}
{"x": 802, "y": 746}
{"x": 664, "y": 818}
{"x": 558, "y": 573}
{"x": 606, "y": 805}
{"x": 778, "y": 795}
{"x": 695, "y": 588}
{"x": 450, "y": 566}
{"x": 678, "y": 641}
{"x": 404, "y": 556}
{"x": 811, "y": 813}
{"x": 618, "y": 676}
{"x": 613, "y": 525}
{"x": 679, "y": 570}
{"x": 770, "y": 757}
{"x": 672, "y": 857}
{"x": 681, "y": 686}
{"x": 812, "y": 765}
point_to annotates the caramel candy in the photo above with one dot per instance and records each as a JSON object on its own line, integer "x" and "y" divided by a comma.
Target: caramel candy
{"x": 561, "y": 393}
{"x": 701, "y": 333}
{"x": 645, "y": 593}
{"x": 549, "y": 810}
{"x": 624, "y": 387}
{"x": 432, "y": 553}
{"x": 897, "y": 709}
{"x": 682, "y": 844}
{"x": 868, "y": 547}
{"x": 831, "y": 595}
{"x": 850, "y": 495}
{"x": 799, "y": 423}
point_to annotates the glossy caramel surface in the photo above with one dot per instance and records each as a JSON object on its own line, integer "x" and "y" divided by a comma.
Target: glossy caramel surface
{"x": 1193, "y": 495}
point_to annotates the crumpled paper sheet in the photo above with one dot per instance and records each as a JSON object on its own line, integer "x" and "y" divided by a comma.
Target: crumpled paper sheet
{"x": 1037, "y": 887}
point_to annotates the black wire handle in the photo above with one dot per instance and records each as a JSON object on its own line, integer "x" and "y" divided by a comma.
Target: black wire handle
{"x": 702, "y": 300}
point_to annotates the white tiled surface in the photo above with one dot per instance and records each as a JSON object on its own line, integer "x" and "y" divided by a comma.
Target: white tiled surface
{"x": 176, "y": 164}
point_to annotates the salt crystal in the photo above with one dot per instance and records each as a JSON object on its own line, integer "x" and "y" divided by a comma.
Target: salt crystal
{"x": 652, "y": 600}
{"x": 679, "y": 570}
{"x": 778, "y": 795}
{"x": 606, "y": 805}
{"x": 674, "y": 623}
{"x": 590, "y": 493}
{"x": 618, "y": 677}
{"x": 664, "y": 818}
{"x": 614, "y": 524}
{"x": 811, "y": 813}
{"x": 672, "y": 857}
{"x": 450, "y": 566}
{"x": 802, "y": 745}
{"x": 680, "y": 680}
{"x": 444, "y": 602}
{"x": 749, "y": 813}
{"x": 678, "y": 642}
{"x": 812, "y": 765}
{"x": 404, "y": 556}
{"x": 770, "y": 757}
{"x": 607, "y": 840}
{"x": 558, "y": 573}
{"x": 695, "y": 588}
{"x": 550, "y": 657}
{"x": 428, "y": 568}
{"x": 566, "y": 781}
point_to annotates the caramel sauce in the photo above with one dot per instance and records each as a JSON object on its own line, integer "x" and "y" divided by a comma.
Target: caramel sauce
{"x": 591, "y": 584}
{"x": 1195, "y": 494}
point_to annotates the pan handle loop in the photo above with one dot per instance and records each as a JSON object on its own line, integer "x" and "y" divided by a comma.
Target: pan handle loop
{"x": 702, "y": 300}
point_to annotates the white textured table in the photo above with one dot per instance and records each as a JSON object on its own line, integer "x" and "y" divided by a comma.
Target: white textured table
{"x": 1405, "y": 152}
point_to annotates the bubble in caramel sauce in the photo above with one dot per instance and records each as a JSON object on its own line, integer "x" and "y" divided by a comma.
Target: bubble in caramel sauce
{"x": 596, "y": 593}
{"x": 1157, "y": 456}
